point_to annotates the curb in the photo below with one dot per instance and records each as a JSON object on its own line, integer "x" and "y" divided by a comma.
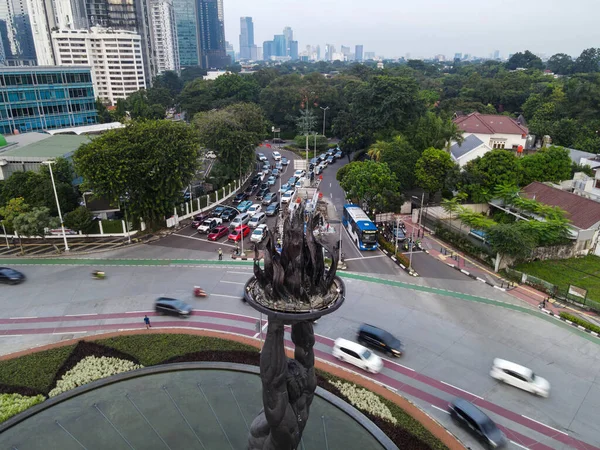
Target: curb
{"x": 470, "y": 275}
{"x": 556, "y": 316}
{"x": 399, "y": 264}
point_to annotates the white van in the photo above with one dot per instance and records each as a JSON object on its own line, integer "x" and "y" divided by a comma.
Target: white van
{"x": 257, "y": 219}
{"x": 520, "y": 376}
{"x": 358, "y": 355}
{"x": 240, "y": 219}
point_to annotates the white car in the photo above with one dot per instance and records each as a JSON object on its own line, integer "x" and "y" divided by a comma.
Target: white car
{"x": 211, "y": 155}
{"x": 260, "y": 233}
{"x": 520, "y": 376}
{"x": 357, "y": 355}
{"x": 261, "y": 157}
{"x": 209, "y": 224}
{"x": 254, "y": 209}
{"x": 287, "y": 196}
{"x": 300, "y": 173}
{"x": 276, "y": 156}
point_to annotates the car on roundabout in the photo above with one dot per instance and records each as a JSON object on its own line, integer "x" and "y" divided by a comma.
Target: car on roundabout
{"x": 260, "y": 233}
{"x": 279, "y": 166}
{"x": 300, "y": 173}
{"x": 272, "y": 209}
{"x": 11, "y": 276}
{"x": 257, "y": 219}
{"x": 239, "y": 233}
{"x": 209, "y": 224}
{"x": 378, "y": 339}
{"x": 217, "y": 211}
{"x": 243, "y": 207}
{"x": 477, "y": 422}
{"x": 172, "y": 307}
{"x": 292, "y": 181}
{"x": 218, "y": 232}
{"x": 271, "y": 197}
{"x": 275, "y": 172}
{"x": 261, "y": 194}
{"x": 357, "y": 355}
{"x": 288, "y": 196}
{"x": 520, "y": 377}
{"x": 197, "y": 220}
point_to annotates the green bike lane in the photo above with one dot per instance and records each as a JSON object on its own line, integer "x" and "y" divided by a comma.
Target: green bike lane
{"x": 94, "y": 262}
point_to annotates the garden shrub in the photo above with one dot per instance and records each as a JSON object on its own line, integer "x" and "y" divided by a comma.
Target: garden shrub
{"x": 13, "y": 404}
{"x": 112, "y": 226}
{"x": 579, "y": 321}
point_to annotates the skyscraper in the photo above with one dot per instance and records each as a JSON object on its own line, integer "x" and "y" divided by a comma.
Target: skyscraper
{"x": 280, "y": 45}
{"x": 246, "y": 38}
{"x": 164, "y": 36}
{"x": 268, "y": 50}
{"x": 329, "y": 51}
{"x": 16, "y": 34}
{"x": 496, "y": 54}
{"x": 293, "y": 50}
{"x": 187, "y": 33}
{"x": 358, "y": 53}
{"x": 230, "y": 51}
{"x": 289, "y": 37}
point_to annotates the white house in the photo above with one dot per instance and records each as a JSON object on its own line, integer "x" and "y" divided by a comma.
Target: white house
{"x": 471, "y": 148}
{"x": 495, "y": 131}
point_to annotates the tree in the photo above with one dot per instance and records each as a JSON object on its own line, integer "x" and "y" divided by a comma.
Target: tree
{"x": 14, "y": 208}
{"x": 400, "y": 157}
{"x": 510, "y": 240}
{"x": 561, "y": 64}
{"x": 322, "y": 142}
{"x": 169, "y": 80}
{"x": 372, "y": 183}
{"x": 149, "y": 162}
{"x": 548, "y": 164}
{"x": 104, "y": 115}
{"x": 431, "y": 130}
{"x": 588, "y": 61}
{"x": 432, "y": 168}
{"x": 493, "y": 169}
{"x": 80, "y": 219}
{"x": 34, "y": 222}
{"x": 525, "y": 60}
{"x": 196, "y": 96}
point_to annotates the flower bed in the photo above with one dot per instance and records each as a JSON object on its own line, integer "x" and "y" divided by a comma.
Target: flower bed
{"x": 12, "y": 404}
{"x": 365, "y": 400}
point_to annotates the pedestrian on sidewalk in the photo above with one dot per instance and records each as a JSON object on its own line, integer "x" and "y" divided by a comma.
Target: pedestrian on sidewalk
{"x": 147, "y": 322}
{"x": 220, "y": 255}
{"x": 544, "y": 303}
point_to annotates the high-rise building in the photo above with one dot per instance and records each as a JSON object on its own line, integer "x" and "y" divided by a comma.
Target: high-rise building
{"x": 114, "y": 55}
{"x": 164, "y": 36}
{"x": 268, "y": 50}
{"x": 318, "y": 52}
{"x": 369, "y": 56}
{"x": 289, "y": 37}
{"x": 187, "y": 32}
{"x": 279, "y": 43}
{"x": 329, "y": 51}
{"x": 246, "y": 38}
{"x": 458, "y": 56}
{"x": 496, "y": 54}
{"x": 293, "y": 50}
{"x": 41, "y": 98}
{"x": 358, "y": 53}
{"x": 16, "y": 34}
{"x": 345, "y": 50}
{"x": 230, "y": 51}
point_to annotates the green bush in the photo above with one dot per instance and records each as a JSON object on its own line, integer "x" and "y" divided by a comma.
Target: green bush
{"x": 156, "y": 348}
{"x": 13, "y": 404}
{"x": 579, "y": 321}
{"x": 322, "y": 143}
{"x": 112, "y": 226}
{"x": 35, "y": 371}
{"x": 391, "y": 248}
{"x": 461, "y": 242}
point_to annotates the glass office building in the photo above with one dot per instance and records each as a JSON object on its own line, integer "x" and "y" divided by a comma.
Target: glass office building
{"x": 45, "y": 97}
{"x": 187, "y": 32}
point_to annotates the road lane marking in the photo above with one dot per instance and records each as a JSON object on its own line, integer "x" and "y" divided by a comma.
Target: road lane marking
{"x": 365, "y": 257}
{"x": 228, "y": 296}
{"x": 72, "y": 332}
{"x": 547, "y": 426}
{"x": 440, "y": 409}
{"x": 231, "y": 282}
{"x": 466, "y": 392}
{"x": 519, "y": 445}
{"x": 240, "y": 273}
{"x": 10, "y": 335}
{"x": 77, "y": 315}
{"x": 136, "y": 312}
{"x": 25, "y": 317}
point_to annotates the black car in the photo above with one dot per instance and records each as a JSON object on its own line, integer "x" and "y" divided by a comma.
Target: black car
{"x": 255, "y": 180}
{"x": 330, "y": 159}
{"x": 172, "y": 306}
{"x": 11, "y": 276}
{"x": 240, "y": 197}
{"x": 251, "y": 189}
{"x": 229, "y": 214}
{"x": 197, "y": 220}
{"x": 217, "y": 211}
{"x": 264, "y": 186}
{"x": 272, "y": 209}
{"x": 472, "y": 418}
{"x": 261, "y": 194}
{"x": 379, "y": 339}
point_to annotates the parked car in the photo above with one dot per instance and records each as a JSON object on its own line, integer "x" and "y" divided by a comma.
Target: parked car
{"x": 11, "y": 276}
{"x": 322, "y": 157}
{"x": 208, "y": 225}
{"x": 260, "y": 233}
{"x": 264, "y": 185}
{"x": 379, "y": 339}
{"x": 218, "y": 232}
{"x": 229, "y": 214}
{"x": 257, "y": 219}
{"x": 300, "y": 173}
{"x": 243, "y": 207}
{"x": 287, "y": 197}
{"x": 520, "y": 377}
{"x": 284, "y": 161}
{"x": 321, "y": 167}
{"x": 241, "y": 219}
{"x": 172, "y": 306}
{"x": 275, "y": 173}
{"x": 255, "y": 208}
{"x": 261, "y": 157}
{"x": 239, "y": 197}
{"x": 277, "y": 156}
{"x": 261, "y": 194}
{"x": 197, "y": 220}
{"x": 239, "y": 232}
{"x": 271, "y": 180}
{"x": 477, "y": 422}
{"x": 330, "y": 160}
{"x": 357, "y": 355}
{"x": 271, "y": 197}
{"x": 272, "y": 209}
{"x": 339, "y": 154}
{"x": 331, "y": 151}
{"x": 284, "y": 188}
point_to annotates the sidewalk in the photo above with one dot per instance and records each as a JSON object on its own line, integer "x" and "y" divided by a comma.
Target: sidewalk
{"x": 475, "y": 269}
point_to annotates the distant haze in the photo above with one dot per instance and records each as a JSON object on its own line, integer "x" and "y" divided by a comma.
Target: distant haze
{"x": 425, "y": 28}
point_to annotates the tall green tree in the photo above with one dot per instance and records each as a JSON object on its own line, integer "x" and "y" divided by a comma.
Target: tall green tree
{"x": 561, "y": 64}
{"x": 548, "y": 164}
{"x": 34, "y": 222}
{"x": 431, "y": 130}
{"x": 80, "y": 219}
{"x": 432, "y": 169}
{"x": 494, "y": 169}
{"x": 401, "y": 158}
{"x": 510, "y": 240}
{"x": 372, "y": 183}
{"x": 525, "y": 60}
{"x": 104, "y": 115}
{"x": 148, "y": 162}
{"x": 588, "y": 61}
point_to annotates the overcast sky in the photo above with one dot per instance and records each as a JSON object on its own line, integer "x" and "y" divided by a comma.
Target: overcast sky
{"x": 424, "y": 28}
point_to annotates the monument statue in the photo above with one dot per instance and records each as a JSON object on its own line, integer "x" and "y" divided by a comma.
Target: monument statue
{"x": 293, "y": 288}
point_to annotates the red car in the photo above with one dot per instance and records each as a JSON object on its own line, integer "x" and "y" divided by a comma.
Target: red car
{"x": 218, "y": 232}
{"x": 236, "y": 234}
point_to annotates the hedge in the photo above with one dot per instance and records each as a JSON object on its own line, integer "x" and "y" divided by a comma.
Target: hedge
{"x": 112, "y": 226}
{"x": 461, "y": 242}
{"x": 391, "y": 248}
{"x": 579, "y": 321}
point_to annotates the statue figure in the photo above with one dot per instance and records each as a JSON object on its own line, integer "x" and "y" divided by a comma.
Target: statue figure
{"x": 288, "y": 388}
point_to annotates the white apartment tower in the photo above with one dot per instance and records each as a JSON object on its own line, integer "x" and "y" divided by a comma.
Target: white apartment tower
{"x": 114, "y": 55}
{"x": 164, "y": 35}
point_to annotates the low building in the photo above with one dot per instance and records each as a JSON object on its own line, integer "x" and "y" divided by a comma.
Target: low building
{"x": 495, "y": 131}
{"x": 472, "y": 147}
{"x": 45, "y": 97}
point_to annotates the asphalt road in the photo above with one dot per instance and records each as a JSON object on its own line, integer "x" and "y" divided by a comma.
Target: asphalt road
{"x": 449, "y": 342}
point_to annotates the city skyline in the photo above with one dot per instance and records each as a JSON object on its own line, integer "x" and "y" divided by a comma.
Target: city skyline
{"x": 398, "y": 28}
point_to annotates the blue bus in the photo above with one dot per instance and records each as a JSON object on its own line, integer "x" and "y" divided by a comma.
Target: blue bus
{"x": 360, "y": 228}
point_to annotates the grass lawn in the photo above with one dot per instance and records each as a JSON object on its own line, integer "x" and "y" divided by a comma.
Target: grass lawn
{"x": 581, "y": 272}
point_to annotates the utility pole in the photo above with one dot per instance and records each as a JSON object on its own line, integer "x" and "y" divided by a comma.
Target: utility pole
{"x": 410, "y": 245}
{"x": 324, "y": 112}
{"x": 396, "y": 232}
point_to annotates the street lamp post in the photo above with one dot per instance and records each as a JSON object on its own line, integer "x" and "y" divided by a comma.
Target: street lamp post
{"x": 324, "y": 112}
{"x": 315, "y": 148}
{"x": 411, "y": 244}
{"x": 62, "y": 224}
{"x": 421, "y": 209}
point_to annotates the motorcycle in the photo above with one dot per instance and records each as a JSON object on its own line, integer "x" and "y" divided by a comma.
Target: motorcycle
{"x": 98, "y": 275}
{"x": 199, "y": 292}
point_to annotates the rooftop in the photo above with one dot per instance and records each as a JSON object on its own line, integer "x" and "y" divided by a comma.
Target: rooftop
{"x": 89, "y": 129}
{"x": 48, "y": 147}
{"x": 489, "y": 124}
{"x": 582, "y": 212}
{"x": 470, "y": 143}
